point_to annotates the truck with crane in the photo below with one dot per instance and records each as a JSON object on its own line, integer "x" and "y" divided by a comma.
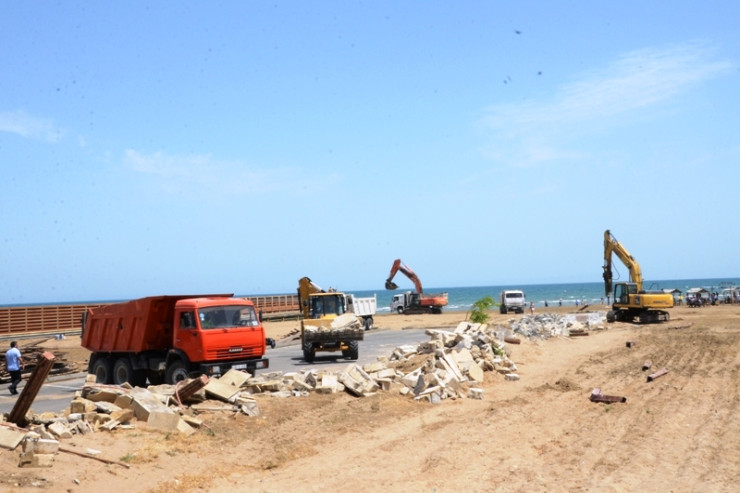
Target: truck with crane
{"x": 630, "y": 300}
{"x": 167, "y": 339}
{"x": 413, "y": 302}
{"x": 328, "y": 323}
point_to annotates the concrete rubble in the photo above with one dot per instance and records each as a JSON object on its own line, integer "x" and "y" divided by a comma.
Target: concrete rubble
{"x": 547, "y": 325}
{"x": 450, "y": 365}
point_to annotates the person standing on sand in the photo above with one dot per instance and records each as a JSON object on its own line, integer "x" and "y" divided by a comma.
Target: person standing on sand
{"x": 14, "y": 365}
{"x": 531, "y": 307}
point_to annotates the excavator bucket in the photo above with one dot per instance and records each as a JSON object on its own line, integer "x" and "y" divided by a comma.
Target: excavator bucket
{"x": 391, "y": 285}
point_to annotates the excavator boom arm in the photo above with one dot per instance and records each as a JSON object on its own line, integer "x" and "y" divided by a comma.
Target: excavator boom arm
{"x": 612, "y": 246}
{"x": 398, "y": 266}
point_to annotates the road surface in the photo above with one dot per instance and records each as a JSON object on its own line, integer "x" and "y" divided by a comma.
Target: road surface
{"x": 58, "y": 392}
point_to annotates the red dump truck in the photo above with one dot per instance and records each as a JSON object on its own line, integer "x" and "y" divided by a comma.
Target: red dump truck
{"x": 166, "y": 339}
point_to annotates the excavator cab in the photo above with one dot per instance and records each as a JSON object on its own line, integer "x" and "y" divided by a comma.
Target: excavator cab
{"x": 622, "y": 292}
{"x": 326, "y": 305}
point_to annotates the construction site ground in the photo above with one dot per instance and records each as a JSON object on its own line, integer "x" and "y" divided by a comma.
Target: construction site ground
{"x": 679, "y": 432}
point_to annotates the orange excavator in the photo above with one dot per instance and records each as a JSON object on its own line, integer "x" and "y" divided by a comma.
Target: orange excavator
{"x": 417, "y": 302}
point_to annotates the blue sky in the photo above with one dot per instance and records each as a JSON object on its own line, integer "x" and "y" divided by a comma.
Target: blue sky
{"x": 193, "y": 147}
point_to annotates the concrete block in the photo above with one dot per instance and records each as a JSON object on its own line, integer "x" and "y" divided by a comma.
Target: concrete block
{"x": 145, "y": 403}
{"x": 328, "y": 384}
{"x": 98, "y": 395}
{"x": 123, "y": 415}
{"x": 41, "y": 446}
{"x": 384, "y": 383}
{"x": 300, "y": 385}
{"x": 184, "y": 428}
{"x": 475, "y": 373}
{"x": 42, "y": 432}
{"x": 411, "y": 378}
{"x": 375, "y": 367}
{"x": 463, "y": 358}
{"x": 31, "y": 459}
{"x": 512, "y": 377}
{"x": 192, "y": 421}
{"x": 388, "y": 373}
{"x": 124, "y": 401}
{"x": 451, "y": 366}
{"x": 59, "y": 430}
{"x": 82, "y": 405}
{"x": 163, "y": 420}
{"x": 10, "y": 438}
{"x": 83, "y": 427}
{"x": 475, "y": 393}
{"x": 429, "y": 347}
{"x": 420, "y": 385}
{"x": 106, "y": 407}
{"x": 250, "y": 408}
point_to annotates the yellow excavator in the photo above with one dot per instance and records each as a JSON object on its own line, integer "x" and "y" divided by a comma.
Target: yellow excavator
{"x": 631, "y": 301}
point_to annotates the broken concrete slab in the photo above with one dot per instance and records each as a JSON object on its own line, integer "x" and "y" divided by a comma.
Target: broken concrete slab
{"x": 235, "y": 378}
{"x": 11, "y": 437}
{"x": 224, "y": 391}
{"x": 59, "y": 430}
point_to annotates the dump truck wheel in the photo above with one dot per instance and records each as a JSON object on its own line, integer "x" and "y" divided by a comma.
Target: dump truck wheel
{"x": 368, "y": 323}
{"x": 308, "y": 353}
{"x": 400, "y": 310}
{"x": 101, "y": 370}
{"x": 122, "y": 371}
{"x": 354, "y": 350}
{"x": 177, "y": 372}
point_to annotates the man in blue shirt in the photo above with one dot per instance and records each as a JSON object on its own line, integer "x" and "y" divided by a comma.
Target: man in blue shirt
{"x": 14, "y": 364}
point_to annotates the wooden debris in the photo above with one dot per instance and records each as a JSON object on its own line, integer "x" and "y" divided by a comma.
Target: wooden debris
{"x": 597, "y": 396}
{"x": 31, "y": 389}
{"x": 657, "y": 374}
{"x": 89, "y": 456}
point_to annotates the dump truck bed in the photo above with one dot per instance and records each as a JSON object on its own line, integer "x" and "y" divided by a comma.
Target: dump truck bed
{"x": 134, "y": 326}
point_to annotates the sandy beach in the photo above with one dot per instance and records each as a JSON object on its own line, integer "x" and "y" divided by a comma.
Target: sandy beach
{"x": 542, "y": 433}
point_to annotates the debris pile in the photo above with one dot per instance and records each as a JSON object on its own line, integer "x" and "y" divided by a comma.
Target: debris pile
{"x": 450, "y": 365}
{"x": 319, "y": 329}
{"x": 546, "y": 325}
{"x": 30, "y": 355}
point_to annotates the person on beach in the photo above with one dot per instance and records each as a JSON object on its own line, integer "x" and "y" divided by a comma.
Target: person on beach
{"x": 14, "y": 365}
{"x": 531, "y": 307}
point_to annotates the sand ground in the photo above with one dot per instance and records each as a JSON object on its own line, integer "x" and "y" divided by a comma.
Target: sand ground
{"x": 679, "y": 433}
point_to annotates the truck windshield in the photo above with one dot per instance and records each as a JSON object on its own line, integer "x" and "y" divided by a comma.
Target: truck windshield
{"x": 515, "y": 295}
{"x": 218, "y": 317}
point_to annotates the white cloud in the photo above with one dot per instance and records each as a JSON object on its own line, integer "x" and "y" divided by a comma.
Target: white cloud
{"x": 532, "y": 131}
{"x": 202, "y": 172}
{"x": 28, "y": 126}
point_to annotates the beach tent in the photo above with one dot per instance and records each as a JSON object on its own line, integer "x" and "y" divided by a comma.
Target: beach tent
{"x": 675, "y": 292}
{"x": 697, "y": 293}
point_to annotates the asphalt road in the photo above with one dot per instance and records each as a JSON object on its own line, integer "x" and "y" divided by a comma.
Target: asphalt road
{"x": 58, "y": 392}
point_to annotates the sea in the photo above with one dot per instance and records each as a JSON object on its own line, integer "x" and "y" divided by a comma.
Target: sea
{"x": 462, "y": 298}
{"x": 568, "y": 294}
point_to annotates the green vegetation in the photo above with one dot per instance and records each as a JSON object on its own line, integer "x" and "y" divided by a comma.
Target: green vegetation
{"x": 479, "y": 310}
